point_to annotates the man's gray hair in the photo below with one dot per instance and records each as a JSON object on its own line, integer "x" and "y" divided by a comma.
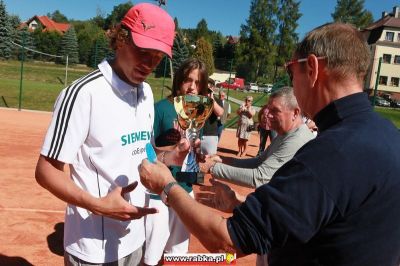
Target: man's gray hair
{"x": 342, "y": 46}
{"x": 286, "y": 93}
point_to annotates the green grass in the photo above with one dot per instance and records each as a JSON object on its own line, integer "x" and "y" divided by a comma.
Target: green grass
{"x": 42, "y": 82}
{"x": 390, "y": 113}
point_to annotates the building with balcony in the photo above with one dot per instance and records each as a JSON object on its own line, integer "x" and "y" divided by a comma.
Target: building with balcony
{"x": 383, "y": 37}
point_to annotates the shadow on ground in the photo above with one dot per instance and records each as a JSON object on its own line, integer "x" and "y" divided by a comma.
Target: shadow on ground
{"x": 55, "y": 240}
{"x": 225, "y": 150}
{"x": 14, "y": 261}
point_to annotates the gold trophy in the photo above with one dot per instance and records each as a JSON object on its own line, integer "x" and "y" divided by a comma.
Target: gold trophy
{"x": 193, "y": 111}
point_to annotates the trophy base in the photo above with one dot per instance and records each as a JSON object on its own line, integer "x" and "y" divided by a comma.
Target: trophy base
{"x": 190, "y": 177}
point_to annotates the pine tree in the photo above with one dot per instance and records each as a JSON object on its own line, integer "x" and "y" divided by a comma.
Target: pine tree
{"x": 202, "y": 30}
{"x": 288, "y": 15}
{"x": 256, "y": 52}
{"x": 352, "y": 11}
{"x": 5, "y": 33}
{"x": 69, "y": 46}
{"x": 204, "y": 52}
{"x": 100, "y": 50}
{"x": 180, "y": 52}
{"x": 163, "y": 68}
{"x": 218, "y": 53}
{"x": 24, "y": 38}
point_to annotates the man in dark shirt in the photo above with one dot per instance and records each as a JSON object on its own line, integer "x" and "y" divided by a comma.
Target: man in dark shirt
{"x": 337, "y": 202}
{"x": 209, "y": 138}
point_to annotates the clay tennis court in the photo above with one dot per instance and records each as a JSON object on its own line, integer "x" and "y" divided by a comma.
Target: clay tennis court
{"x": 31, "y": 224}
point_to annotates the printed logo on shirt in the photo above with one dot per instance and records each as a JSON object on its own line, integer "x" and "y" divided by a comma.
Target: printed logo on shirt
{"x": 134, "y": 137}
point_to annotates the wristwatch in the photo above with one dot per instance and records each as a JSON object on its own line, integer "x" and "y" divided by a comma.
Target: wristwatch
{"x": 165, "y": 192}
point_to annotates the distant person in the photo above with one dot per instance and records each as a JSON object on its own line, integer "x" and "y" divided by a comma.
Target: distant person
{"x": 337, "y": 201}
{"x": 264, "y": 129}
{"x": 209, "y": 139}
{"x": 164, "y": 230}
{"x": 285, "y": 118}
{"x": 227, "y": 112}
{"x": 245, "y": 124}
{"x": 100, "y": 126}
{"x": 311, "y": 125}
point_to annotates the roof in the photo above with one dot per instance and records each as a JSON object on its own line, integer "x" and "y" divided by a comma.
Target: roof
{"x": 387, "y": 21}
{"x": 49, "y": 24}
{"x": 232, "y": 39}
{"x": 374, "y": 31}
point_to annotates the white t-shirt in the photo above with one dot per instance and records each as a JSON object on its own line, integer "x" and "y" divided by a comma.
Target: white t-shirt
{"x": 100, "y": 126}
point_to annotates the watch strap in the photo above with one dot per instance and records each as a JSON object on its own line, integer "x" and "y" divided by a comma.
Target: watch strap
{"x": 165, "y": 191}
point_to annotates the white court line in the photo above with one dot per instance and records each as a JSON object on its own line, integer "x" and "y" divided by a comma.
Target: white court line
{"x": 29, "y": 210}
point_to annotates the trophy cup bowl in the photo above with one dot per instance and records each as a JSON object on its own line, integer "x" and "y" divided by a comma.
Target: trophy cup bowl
{"x": 192, "y": 112}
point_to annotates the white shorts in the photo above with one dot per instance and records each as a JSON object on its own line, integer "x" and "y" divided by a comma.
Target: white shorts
{"x": 164, "y": 232}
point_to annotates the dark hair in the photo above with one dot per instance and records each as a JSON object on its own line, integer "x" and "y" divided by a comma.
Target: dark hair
{"x": 183, "y": 72}
{"x": 120, "y": 33}
{"x": 343, "y": 46}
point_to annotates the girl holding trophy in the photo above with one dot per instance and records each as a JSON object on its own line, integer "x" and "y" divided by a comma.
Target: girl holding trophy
{"x": 164, "y": 231}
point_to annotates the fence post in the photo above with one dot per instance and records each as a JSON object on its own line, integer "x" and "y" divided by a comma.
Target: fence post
{"x": 22, "y": 70}
{"x": 66, "y": 73}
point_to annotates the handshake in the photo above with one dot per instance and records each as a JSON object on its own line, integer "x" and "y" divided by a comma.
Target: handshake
{"x": 205, "y": 164}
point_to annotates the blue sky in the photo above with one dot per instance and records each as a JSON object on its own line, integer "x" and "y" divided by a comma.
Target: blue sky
{"x": 221, "y": 15}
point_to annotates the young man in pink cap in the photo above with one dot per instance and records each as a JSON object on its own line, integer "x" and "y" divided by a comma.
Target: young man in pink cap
{"x": 101, "y": 124}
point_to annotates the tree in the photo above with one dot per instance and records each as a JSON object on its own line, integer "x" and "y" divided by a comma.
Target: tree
{"x": 218, "y": 53}
{"x": 163, "y": 68}
{"x": 14, "y": 20}
{"x": 202, "y": 30}
{"x": 352, "y": 11}
{"x": 180, "y": 51}
{"x": 5, "y": 33}
{"x": 99, "y": 19}
{"x": 100, "y": 50}
{"x": 256, "y": 52}
{"x": 87, "y": 32}
{"x": 288, "y": 15}
{"x": 69, "y": 46}
{"x": 117, "y": 14}
{"x": 46, "y": 42}
{"x": 24, "y": 38}
{"x": 57, "y": 16}
{"x": 204, "y": 52}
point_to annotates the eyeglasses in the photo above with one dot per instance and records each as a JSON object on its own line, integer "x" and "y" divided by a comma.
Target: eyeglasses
{"x": 297, "y": 61}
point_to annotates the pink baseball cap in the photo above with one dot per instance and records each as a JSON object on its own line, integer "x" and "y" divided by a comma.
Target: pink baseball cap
{"x": 151, "y": 27}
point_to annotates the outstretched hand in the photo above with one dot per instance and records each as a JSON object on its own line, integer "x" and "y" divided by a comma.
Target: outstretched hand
{"x": 115, "y": 206}
{"x": 220, "y": 196}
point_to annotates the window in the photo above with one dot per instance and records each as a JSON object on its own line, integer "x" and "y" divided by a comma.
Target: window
{"x": 396, "y": 59}
{"x": 394, "y": 82}
{"x": 398, "y": 37}
{"x": 389, "y": 36}
{"x": 386, "y": 58}
{"x": 383, "y": 80}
